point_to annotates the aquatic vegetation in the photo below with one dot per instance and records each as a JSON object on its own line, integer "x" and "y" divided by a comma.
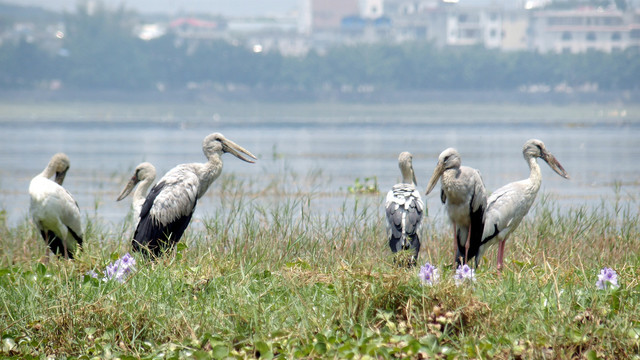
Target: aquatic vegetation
{"x": 608, "y": 278}
{"x": 464, "y": 274}
{"x": 429, "y": 274}
{"x": 369, "y": 185}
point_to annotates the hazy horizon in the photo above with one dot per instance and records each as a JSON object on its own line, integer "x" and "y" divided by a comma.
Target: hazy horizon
{"x": 223, "y": 7}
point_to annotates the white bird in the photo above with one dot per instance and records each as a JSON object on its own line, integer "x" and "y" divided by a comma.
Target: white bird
{"x": 54, "y": 211}
{"x": 509, "y": 204}
{"x": 463, "y": 192}
{"x": 168, "y": 208}
{"x": 404, "y": 209}
{"x": 143, "y": 177}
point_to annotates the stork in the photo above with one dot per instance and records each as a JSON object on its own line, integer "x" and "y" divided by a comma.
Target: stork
{"x": 54, "y": 211}
{"x": 463, "y": 192}
{"x": 404, "y": 208}
{"x": 509, "y": 204}
{"x": 168, "y": 208}
{"x": 143, "y": 177}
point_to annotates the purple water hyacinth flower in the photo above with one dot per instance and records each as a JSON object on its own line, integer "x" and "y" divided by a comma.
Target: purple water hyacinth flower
{"x": 92, "y": 273}
{"x": 607, "y": 278}
{"x": 429, "y": 274}
{"x": 464, "y": 273}
{"x": 128, "y": 262}
{"x": 120, "y": 268}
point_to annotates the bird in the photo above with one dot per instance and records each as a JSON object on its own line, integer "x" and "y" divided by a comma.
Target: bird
{"x": 463, "y": 193}
{"x": 404, "y": 209}
{"x": 169, "y": 206}
{"x": 509, "y": 204}
{"x": 143, "y": 177}
{"x": 53, "y": 209}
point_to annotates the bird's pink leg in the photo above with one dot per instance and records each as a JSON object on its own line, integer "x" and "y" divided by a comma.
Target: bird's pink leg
{"x": 501, "y": 253}
{"x": 466, "y": 245}
{"x": 455, "y": 243}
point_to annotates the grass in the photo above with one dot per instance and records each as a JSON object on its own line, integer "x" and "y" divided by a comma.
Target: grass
{"x": 279, "y": 278}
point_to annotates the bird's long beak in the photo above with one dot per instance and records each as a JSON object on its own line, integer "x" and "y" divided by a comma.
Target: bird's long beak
{"x": 60, "y": 177}
{"x": 237, "y": 151}
{"x": 413, "y": 174}
{"x": 555, "y": 165}
{"x": 127, "y": 190}
{"x": 437, "y": 172}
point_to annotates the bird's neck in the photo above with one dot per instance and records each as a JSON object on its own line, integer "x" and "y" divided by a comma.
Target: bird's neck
{"x": 208, "y": 172}
{"x": 535, "y": 176}
{"x": 407, "y": 177}
{"x": 49, "y": 171}
{"x": 140, "y": 193}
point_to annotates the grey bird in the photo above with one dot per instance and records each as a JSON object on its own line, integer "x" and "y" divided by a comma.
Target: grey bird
{"x": 143, "y": 177}
{"x": 463, "y": 193}
{"x": 54, "y": 211}
{"x": 404, "y": 209}
{"x": 509, "y": 204}
{"x": 170, "y": 204}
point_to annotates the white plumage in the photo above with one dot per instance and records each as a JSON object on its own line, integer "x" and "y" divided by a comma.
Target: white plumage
{"x": 463, "y": 192}
{"x": 167, "y": 210}
{"x": 143, "y": 177}
{"x": 404, "y": 209}
{"x": 54, "y": 211}
{"x": 508, "y": 205}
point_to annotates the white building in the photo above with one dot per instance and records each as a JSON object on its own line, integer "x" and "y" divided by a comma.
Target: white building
{"x": 584, "y": 29}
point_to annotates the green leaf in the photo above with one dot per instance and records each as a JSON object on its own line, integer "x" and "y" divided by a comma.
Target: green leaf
{"x": 220, "y": 352}
{"x": 264, "y": 349}
{"x": 320, "y": 348}
{"x": 181, "y": 247}
{"x": 591, "y": 355}
{"x": 41, "y": 270}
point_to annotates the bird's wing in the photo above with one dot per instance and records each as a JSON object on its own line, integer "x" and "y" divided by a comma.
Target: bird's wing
{"x": 394, "y": 215}
{"x": 505, "y": 209}
{"x": 175, "y": 196}
{"x": 403, "y": 201}
{"x": 70, "y": 213}
{"x": 479, "y": 192}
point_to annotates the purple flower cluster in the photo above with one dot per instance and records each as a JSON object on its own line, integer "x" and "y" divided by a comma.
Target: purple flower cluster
{"x": 118, "y": 270}
{"x": 464, "y": 273}
{"x": 607, "y": 278}
{"x": 429, "y": 274}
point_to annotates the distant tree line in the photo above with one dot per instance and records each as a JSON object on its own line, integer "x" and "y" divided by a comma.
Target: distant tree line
{"x": 100, "y": 52}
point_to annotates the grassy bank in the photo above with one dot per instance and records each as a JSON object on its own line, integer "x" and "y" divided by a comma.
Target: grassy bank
{"x": 288, "y": 281}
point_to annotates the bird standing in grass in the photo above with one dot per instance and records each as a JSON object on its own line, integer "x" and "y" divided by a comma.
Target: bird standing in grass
{"x": 143, "y": 177}
{"x": 167, "y": 210}
{"x": 462, "y": 191}
{"x": 404, "y": 209}
{"x": 54, "y": 211}
{"x": 509, "y": 204}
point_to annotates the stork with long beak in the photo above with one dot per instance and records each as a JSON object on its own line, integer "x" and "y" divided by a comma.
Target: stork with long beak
{"x": 54, "y": 211}
{"x": 143, "y": 177}
{"x": 462, "y": 191}
{"x": 509, "y": 204}
{"x": 404, "y": 209}
{"x": 168, "y": 208}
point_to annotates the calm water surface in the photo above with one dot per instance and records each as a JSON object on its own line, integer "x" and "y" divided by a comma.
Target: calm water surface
{"x": 103, "y": 155}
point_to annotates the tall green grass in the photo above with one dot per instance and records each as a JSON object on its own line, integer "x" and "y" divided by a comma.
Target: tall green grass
{"x": 269, "y": 274}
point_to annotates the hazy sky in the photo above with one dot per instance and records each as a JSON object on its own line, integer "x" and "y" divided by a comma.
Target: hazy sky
{"x": 225, "y": 7}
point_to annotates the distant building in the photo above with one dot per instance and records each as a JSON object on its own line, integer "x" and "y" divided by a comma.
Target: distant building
{"x": 584, "y": 29}
{"x": 515, "y": 30}
{"x": 327, "y": 15}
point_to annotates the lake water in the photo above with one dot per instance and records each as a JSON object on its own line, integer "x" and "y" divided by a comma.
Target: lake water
{"x": 597, "y": 153}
